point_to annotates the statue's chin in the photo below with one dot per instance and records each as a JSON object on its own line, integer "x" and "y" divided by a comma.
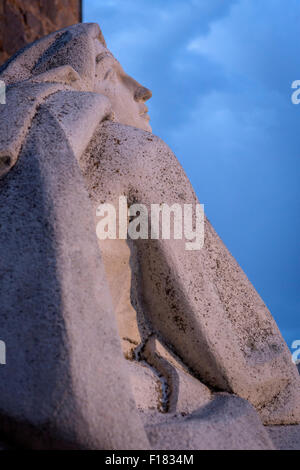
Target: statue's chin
{"x": 144, "y": 124}
{"x": 147, "y": 127}
{"x": 140, "y": 123}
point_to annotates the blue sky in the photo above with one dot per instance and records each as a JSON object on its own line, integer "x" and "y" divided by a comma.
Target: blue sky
{"x": 221, "y": 74}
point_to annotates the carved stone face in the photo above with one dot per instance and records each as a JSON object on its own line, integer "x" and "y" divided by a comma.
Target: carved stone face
{"x": 126, "y": 95}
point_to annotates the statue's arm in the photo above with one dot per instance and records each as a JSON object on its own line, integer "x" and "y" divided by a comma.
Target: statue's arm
{"x": 65, "y": 363}
{"x": 77, "y": 112}
{"x": 22, "y": 103}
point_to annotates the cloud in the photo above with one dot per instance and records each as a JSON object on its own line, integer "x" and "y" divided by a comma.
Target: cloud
{"x": 247, "y": 152}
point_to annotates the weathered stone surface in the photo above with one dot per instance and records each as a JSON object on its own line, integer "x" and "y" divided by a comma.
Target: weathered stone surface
{"x": 227, "y": 423}
{"x": 77, "y": 135}
{"x": 162, "y": 388}
{"x": 25, "y": 21}
{"x": 285, "y": 437}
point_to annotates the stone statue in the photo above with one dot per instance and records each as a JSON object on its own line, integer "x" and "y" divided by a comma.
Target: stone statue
{"x": 198, "y": 340}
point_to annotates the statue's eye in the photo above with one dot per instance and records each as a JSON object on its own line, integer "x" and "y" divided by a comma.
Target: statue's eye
{"x": 99, "y": 58}
{"x": 110, "y": 74}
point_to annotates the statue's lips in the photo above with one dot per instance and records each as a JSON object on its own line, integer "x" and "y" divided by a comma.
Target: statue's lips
{"x": 144, "y": 114}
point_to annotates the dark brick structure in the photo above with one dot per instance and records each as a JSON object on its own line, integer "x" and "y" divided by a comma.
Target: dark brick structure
{"x": 24, "y": 21}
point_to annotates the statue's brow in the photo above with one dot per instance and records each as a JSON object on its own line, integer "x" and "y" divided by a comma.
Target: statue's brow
{"x": 102, "y": 56}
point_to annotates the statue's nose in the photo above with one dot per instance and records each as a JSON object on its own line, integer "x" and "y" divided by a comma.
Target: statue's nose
{"x": 142, "y": 94}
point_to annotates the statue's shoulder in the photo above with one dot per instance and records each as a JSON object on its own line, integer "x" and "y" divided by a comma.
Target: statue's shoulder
{"x": 23, "y": 100}
{"x": 77, "y": 112}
